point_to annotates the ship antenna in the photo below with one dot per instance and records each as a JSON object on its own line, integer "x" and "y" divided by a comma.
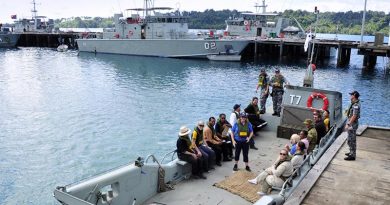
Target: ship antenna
{"x": 262, "y": 6}
{"x": 34, "y": 11}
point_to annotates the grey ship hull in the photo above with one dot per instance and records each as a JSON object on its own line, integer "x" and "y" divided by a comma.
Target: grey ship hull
{"x": 8, "y": 40}
{"x": 174, "y": 48}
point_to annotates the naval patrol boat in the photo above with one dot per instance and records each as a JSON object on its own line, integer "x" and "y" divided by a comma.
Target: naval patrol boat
{"x": 158, "y": 34}
{"x": 7, "y": 38}
{"x": 261, "y": 24}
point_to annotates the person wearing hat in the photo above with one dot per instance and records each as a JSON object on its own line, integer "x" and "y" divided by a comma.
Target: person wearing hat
{"x": 311, "y": 135}
{"x": 186, "y": 153}
{"x": 277, "y": 84}
{"x": 242, "y": 133}
{"x": 235, "y": 115}
{"x": 353, "y": 114}
{"x": 208, "y": 155}
{"x": 263, "y": 84}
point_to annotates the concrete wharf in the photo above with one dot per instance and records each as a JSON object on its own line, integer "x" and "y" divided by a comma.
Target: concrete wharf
{"x": 294, "y": 48}
{"x": 336, "y": 181}
{"x": 52, "y": 40}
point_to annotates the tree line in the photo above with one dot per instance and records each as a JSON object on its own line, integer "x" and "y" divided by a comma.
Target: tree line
{"x": 328, "y": 22}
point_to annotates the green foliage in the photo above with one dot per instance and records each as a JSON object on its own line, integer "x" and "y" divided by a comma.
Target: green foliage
{"x": 85, "y": 22}
{"x": 329, "y": 22}
{"x": 343, "y": 22}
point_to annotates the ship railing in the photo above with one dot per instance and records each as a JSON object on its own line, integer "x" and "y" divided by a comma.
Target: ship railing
{"x": 171, "y": 154}
{"x": 298, "y": 175}
{"x": 300, "y": 172}
{"x": 326, "y": 141}
{"x": 154, "y": 159}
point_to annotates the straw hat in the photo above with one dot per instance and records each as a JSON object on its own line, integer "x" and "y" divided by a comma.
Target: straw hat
{"x": 184, "y": 131}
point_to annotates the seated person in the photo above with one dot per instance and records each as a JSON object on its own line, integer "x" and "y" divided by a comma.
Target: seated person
{"x": 311, "y": 135}
{"x": 293, "y": 140}
{"x": 253, "y": 114}
{"x": 213, "y": 141}
{"x": 221, "y": 130}
{"x": 275, "y": 175}
{"x": 326, "y": 120}
{"x": 185, "y": 153}
{"x": 319, "y": 125}
{"x": 303, "y": 136}
{"x": 208, "y": 155}
{"x": 299, "y": 155}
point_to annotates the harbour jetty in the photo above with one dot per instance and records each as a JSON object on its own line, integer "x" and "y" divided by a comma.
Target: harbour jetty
{"x": 53, "y": 40}
{"x": 50, "y": 40}
{"x": 294, "y": 48}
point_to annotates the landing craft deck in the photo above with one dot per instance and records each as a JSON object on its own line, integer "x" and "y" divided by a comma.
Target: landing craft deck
{"x": 203, "y": 192}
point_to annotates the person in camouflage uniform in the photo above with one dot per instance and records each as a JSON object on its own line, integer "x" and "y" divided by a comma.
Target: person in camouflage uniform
{"x": 353, "y": 114}
{"x": 311, "y": 135}
{"x": 277, "y": 83}
{"x": 263, "y": 84}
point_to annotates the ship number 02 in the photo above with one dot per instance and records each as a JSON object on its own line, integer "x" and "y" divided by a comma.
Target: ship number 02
{"x": 296, "y": 98}
{"x": 210, "y": 45}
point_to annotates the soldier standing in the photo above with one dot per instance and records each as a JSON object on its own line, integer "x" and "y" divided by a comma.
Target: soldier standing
{"x": 353, "y": 114}
{"x": 277, "y": 83}
{"x": 263, "y": 84}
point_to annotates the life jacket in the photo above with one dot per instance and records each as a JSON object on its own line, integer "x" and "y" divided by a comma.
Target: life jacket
{"x": 199, "y": 136}
{"x": 349, "y": 112}
{"x": 213, "y": 135}
{"x": 243, "y": 130}
{"x": 279, "y": 80}
{"x": 237, "y": 115}
{"x": 262, "y": 80}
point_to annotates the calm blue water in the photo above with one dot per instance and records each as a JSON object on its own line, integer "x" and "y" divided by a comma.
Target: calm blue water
{"x": 64, "y": 117}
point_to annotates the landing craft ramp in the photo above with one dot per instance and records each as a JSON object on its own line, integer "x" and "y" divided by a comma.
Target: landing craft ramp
{"x": 364, "y": 181}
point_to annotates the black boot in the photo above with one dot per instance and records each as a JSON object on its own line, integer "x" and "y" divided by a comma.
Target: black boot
{"x": 235, "y": 168}
{"x": 253, "y": 147}
{"x": 349, "y": 158}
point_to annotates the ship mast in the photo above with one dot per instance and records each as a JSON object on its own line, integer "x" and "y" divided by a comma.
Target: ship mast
{"x": 308, "y": 80}
{"x": 34, "y": 11}
{"x": 148, "y": 5}
{"x": 257, "y": 6}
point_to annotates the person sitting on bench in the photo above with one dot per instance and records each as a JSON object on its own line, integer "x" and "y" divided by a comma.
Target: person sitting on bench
{"x": 275, "y": 175}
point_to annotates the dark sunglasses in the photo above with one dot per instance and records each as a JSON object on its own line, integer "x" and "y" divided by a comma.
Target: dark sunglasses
{"x": 283, "y": 154}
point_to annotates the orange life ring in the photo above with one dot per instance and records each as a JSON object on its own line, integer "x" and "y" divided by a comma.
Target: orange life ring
{"x": 246, "y": 22}
{"x": 130, "y": 33}
{"x": 318, "y": 95}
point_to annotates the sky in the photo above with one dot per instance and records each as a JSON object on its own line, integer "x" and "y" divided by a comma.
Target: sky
{"x": 105, "y": 8}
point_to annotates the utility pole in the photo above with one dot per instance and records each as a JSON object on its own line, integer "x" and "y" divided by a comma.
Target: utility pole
{"x": 363, "y": 21}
